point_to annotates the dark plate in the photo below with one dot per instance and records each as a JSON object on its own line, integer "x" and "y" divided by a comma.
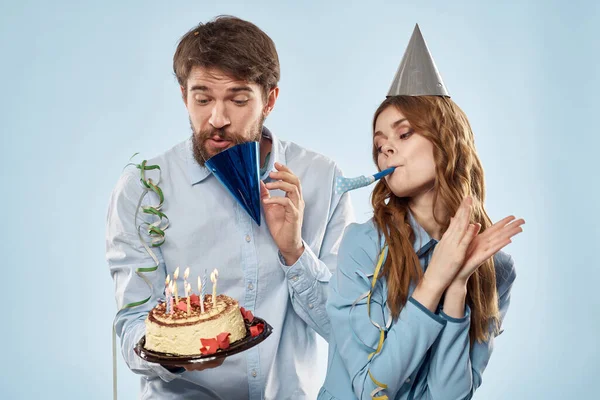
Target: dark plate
{"x": 234, "y": 348}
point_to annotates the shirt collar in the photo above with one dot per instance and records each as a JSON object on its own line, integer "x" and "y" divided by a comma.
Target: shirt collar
{"x": 423, "y": 242}
{"x": 277, "y": 153}
{"x": 198, "y": 173}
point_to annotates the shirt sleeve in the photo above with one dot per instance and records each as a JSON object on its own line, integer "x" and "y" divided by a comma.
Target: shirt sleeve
{"x": 308, "y": 278}
{"x": 406, "y": 342}
{"x": 125, "y": 255}
{"x": 456, "y": 368}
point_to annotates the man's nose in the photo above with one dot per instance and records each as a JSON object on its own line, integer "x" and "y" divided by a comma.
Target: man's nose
{"x": 218, "y": 117}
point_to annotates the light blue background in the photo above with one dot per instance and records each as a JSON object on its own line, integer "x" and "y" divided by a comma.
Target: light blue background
{"x": 84, "y": 86}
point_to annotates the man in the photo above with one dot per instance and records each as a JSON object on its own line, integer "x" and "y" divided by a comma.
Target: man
{"x": 228, "y": 70}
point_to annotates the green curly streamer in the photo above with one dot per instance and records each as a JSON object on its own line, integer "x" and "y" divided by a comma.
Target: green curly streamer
{"x": 156, "y": 232}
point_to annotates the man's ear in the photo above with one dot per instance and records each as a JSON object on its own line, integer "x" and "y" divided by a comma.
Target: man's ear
{"x": 271, "y": 99}
{"x": 183, "y": 95}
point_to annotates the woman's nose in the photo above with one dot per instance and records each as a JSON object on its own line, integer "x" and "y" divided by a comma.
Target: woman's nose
{"x": 388, "y": 149}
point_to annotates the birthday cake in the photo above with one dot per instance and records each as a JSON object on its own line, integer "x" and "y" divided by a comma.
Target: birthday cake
{"x": 184, "y": 329}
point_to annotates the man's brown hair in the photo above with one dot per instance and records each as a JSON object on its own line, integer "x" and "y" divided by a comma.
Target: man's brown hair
{"x": 236, "y": 47}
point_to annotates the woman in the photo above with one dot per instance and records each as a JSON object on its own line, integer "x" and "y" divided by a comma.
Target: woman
{"x": 421, "y": 289}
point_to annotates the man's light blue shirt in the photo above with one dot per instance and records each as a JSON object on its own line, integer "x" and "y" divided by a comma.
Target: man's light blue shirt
{"x": 208, "y": 229}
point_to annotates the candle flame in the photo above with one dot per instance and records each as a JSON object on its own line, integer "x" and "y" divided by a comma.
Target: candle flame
{"x": 216, "y": 272}
{"x": 176, "y": 273}
{"x": 186, "y": 273}
{"x": 167, "y": 280}
{"x": 213, "y": 278}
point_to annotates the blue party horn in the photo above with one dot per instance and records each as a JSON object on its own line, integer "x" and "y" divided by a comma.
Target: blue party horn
{"x": 343, "y": 185}
{"x": 237, "y": 169}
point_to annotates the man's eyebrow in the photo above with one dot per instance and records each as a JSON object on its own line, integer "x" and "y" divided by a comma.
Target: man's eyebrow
{"x": 236, "y": 89}
{"x": 200, "y": 87}
{"x": 240, "y": 89}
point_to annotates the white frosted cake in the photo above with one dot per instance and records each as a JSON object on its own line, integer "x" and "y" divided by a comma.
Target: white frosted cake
{"x": 179, "y": 333}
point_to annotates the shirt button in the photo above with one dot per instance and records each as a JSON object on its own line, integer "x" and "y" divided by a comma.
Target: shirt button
{"x": 310, "y": 306}
{"x": 254, "y": 373}
{"x": 408, "y": 380}
{"x": 295, "y": 278}
{"x": 250, "y": 286}
{"x": 248, "y": 238}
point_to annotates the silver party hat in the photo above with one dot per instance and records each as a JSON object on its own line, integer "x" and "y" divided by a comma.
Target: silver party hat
{"x": 417, "y": 74}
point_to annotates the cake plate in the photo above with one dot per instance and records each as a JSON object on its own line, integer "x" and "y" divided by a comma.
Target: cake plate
{"x": 234, "y": 348}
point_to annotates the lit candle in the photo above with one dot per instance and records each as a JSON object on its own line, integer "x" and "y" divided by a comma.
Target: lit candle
{"x": 188, "y": 291}
{"x": 175, "y": 291}
{"x": 167, "y": 294}
{"x": 186, "y": 274}
{"x": 204, "y": 287}
{"x": 213, "y": 278}
{"x": 172, "y": 306}
{"x": 201, "y": 294}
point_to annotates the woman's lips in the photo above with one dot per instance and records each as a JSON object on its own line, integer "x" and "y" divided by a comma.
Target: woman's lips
{"x": 395, "y": 168}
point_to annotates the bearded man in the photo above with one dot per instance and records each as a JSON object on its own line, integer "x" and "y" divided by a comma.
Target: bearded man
{"x": 228, "y": 73}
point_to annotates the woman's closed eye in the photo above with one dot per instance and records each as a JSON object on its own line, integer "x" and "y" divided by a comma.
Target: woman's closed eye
{"x": 406, "y": 135}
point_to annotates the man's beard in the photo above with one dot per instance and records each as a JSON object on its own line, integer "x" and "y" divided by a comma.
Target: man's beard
{"x": 200, "y": 138}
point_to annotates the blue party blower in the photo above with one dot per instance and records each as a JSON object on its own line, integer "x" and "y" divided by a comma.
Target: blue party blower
{"x": 343, "y": 185}
{"x": 237, "y": 169}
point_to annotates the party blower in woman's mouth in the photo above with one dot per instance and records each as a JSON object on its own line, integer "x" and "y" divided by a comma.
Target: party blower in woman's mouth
{"x": 343, "y": 184}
